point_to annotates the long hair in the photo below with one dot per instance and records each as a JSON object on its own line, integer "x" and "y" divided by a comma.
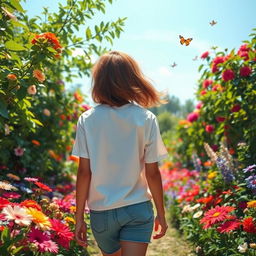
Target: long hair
{"x": 117, "y": 80}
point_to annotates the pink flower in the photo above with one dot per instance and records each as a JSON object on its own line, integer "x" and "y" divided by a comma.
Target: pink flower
{"x": 228, "y": 75}
{"x": 235, "y": 108}
{"x": 214, "y": 68}
{"x": 245, "y": 71}
{"x": 199, "y": 105}
{"x": 11, "y": 195}
{"x": 29, "y": 179}
{"x": 85, "y": 106}
{"x": 218, "y": 60}
{"x": 220, "y": 119}
{"x": 209, "y": 128}
{"x": 243, "y": 51}
{"x": 192, "y": 117}
{"x": 205, "y": 55}
{"x": 206, "y": 83}
{"x": 244, "y": 47}
{"x": 214, "y": 147}
{"x": 31, "y": 89}
{"x": 19, "y": 151}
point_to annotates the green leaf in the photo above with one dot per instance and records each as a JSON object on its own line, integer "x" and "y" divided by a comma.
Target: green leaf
{"x": 3, "y": 92}
{"x": 5, "y": 234}
{"x": 200, "y": 67}
{"x": 37, "y": 121}
{"x": 13, "y": 46}
{"x": 16, "y": 4}
{"x": 88, "y": 33}
{"x": 3, "y": 109}
{"x": 21, "y": 93}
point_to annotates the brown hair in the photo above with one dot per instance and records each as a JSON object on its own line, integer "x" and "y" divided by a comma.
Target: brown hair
{"x": 117, "y": 79}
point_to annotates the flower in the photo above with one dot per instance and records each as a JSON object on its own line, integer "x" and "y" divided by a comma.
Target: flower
{"x": 242, "y": 247}
{"x": 198, "y": 214}
{"x": 251, "y": 204}
{"x": 11, "y": 77}
{"x": 37, "y": 236}
{"x": 3, "y": 202}
{"x": 43, "y": 186}
{"x": 206, "y": 83}
{"x": 18, "y": 214}
{"x": 11, "y": 195}
{"x": 48, "y": 246}
{"x": 216, "y": 61}
{"x": 39, "y": 218}
{"x": 13, "y": 176}
{"x": 31, "y": 89}
{"x": 205, "y": 55}
{"x": 209, "y": 128}
{"x": 214, "y": 147}
{"x": 7, "y": 186}
{"x": 228, "y": 75}
{"x": 50, "y": 37}
{"x": 30, "y": 179}
{"x": 36, "y": 142}
{"x": 251, "y": 182}
{"x": 229, "y": 226}
{"x": 245, "y": 71}
{"x": 31, "y": 203}
{"x": 39, "y": 75}
{"x": 225, "y": 168}
{"x": 203, "y": 92}
{"x": 212, "y": 175}
{"x": 215, "y": 215}
{"x": 250, "y": 168}
{"x": 47, "y": 112}
{"x": 249, "y": 225}
{"x": 85, "y": 106}
{"x": 220, "y": 119}
{"x": 19, "y": 151}
{"x": 199, "y": 105}
{"x": 235, "y": 108}
{"x": 243, "y": 51}
{"x": 78, "y": 97}
{"x": 192, "y": 117}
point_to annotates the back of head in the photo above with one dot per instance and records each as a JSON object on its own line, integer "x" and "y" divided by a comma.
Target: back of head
{"x": 117, "y": 80}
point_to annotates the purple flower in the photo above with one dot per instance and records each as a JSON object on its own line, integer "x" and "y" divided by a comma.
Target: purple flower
{"x": 225, "y": 169}
{"x": 251, "y": 182}
{"x": 250, "y": 168}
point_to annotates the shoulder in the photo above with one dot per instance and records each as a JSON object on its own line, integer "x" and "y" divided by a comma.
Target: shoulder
{"x": 149, "y": 115}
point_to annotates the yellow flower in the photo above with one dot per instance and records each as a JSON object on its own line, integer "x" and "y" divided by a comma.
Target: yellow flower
{"x": 212, "y": 175}
{"x": 70, "y": 219}
{"x": 39, "y": 218}
{"x": 72, "y": 209}
{"x": 251, "y": 204}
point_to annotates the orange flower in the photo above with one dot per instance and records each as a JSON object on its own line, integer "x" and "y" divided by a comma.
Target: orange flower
{"x": 49, "y": 37}
{"x": 12, "y": 176}
{"x": 62, "y": 117}
{"x": 31, "y": 203}
{"x": 36, "y": 142}
{"x": 54, "y": 155}
{"x": 207, "y": 163}
{"x": 43, "y": 186}
{"x": 78, "y": 97}
{"x": 74, "y": 158}
{"x": 231, "y": 151}
{"x": 12, "y": 77}
{"x": 39, "y": 75}
{"x": 251, "y": 204}
{"x": 68, "y": 147}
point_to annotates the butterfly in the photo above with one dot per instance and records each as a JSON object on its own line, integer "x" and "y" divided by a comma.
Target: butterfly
{"x": 186, "y": 41}
{"x": 195, "y": 58}
{"x": 173, "y": 65}
{"x": 213, "y": 22}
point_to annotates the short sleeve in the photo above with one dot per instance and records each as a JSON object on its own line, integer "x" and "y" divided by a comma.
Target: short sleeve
{"x": 155, "y": 149}
{"x": 80, "y": 147}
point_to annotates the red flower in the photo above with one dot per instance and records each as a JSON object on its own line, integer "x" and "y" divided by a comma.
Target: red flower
{"x": 43, "y": 186}
{"x": 203, "y": 92}
{"x": 199, "y": 105}
{"x": 215, "y": 215}
{"x": 192, "y": 117}
{"x": 214, "y": 68}
{"x": 205, "y": 55}
{"x": 31, "y": 203}
{"x": 218, "y": 59}
{"x": 228, "y": 226}
{"x": 249, "y": 225}
{"x": 209, "y": 128}
{"x": 214, "y": 147}
{"x": 228, "y": 74}
{"x": 235, "y": 108}
{"x": 3, "y": 202}
{"x": 207, "y": 82}
{"x": 220, "y": 119}
{"x": 243, "y": 51}
{"x": 245, "y": 71}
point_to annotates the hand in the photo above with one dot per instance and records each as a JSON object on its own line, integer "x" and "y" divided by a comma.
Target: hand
{"x": 160, "y": 221}
{"x": 81, "y": 233}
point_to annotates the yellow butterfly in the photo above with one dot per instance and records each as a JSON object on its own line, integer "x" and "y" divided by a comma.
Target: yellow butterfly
{"x": 186, "y": 41}
{"x": 213, "y": 22}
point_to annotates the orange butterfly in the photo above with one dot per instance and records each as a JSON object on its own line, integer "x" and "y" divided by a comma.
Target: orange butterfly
{"x": 186, "y": 41}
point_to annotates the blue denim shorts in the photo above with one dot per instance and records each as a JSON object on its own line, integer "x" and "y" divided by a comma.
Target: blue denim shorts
{"x": 133, "y": 222}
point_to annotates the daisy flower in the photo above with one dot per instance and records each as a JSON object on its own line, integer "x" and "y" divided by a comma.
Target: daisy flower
{"x": 7, "y": 186}
{"x": 229, "y": 226}
{"x": 18, "y": 214}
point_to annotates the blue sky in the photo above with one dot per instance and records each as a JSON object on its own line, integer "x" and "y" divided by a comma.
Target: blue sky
{"x": 151, "y": 35}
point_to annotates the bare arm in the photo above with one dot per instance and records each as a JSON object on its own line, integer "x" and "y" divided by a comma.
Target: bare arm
{"x": 154, "y": 180}
{"x": 82, "y": 186}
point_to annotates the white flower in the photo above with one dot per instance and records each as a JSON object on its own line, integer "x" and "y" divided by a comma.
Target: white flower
{"x": 186, "y": 208}
{"x": 198, "y": 214}
{"x": 195, "y": 206}
{"x": 242, "y": 247}
{"x": 7, "y": 186}
{"x": 18, "y": 214}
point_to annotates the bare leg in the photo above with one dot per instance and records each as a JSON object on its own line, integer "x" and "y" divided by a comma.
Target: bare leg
{"x": 133, "y": 248}
{"x": 118, "y": 253}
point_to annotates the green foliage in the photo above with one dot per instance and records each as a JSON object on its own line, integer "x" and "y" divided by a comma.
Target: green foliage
{"x": 37, "y": 114}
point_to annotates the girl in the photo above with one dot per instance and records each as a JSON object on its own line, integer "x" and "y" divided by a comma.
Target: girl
{"x": 118, "y": 143}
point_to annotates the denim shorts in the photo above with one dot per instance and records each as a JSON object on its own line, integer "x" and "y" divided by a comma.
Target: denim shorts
{"x": 133, "y": 222}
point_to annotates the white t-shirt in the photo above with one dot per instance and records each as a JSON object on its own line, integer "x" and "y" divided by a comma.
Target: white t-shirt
{"x": 118, "y": 141}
